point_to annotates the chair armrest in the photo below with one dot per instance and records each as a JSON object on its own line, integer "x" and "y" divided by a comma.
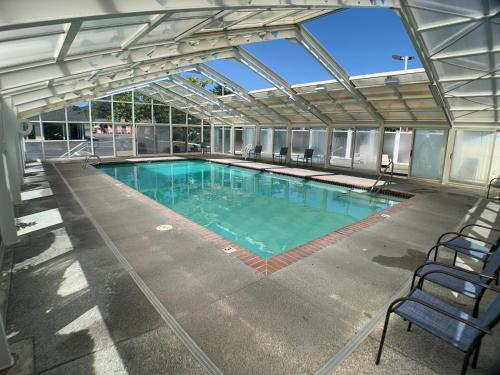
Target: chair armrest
{"x": 454, "y": 268}
{"x": 460, "y": 234}
{"x": 441, "y": 311}
{"x": 481, "y": 226}
{"x": 486, "y": 286}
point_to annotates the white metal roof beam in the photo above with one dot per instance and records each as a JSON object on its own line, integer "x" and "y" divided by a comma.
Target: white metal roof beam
{"x": 282, "y": 85}
{"x": 201, "y": 25}
{"x": 26, "y": 13}
{"x": 307, "y": 40}
{"x": 191, "y": 102}
{"x": 70, "y": 32}
{"x": 190, "y": 86}
{"x": 145, "y": 29}
{"x": 237, "y": 89}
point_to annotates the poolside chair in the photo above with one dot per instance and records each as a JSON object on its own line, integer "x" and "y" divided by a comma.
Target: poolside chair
{"x": 444, "y": 321}
{"x": 256, "y": 152}
{"x": 307, "y": 157}
{"x": 282, "y": 154}
{"x": 205, "y": 148}
{"x": 466, "y": 244}
{"x": 494, "y": 183}
{"x": 468, "y": 283}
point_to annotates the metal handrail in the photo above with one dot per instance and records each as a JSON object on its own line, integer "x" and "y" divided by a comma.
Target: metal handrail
{"x": 88, "y": 160}
{"x": 374, "y": 188}
{"x": 79, "y": 147}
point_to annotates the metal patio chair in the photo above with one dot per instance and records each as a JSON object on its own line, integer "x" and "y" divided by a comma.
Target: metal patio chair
{"x": 307, "y": 157}
{"x": 444, "y": 321}
{"x": 280, "y": 155}
{"x": 466, "y": 244}
{"x": 493, "y": 183}
{"x": 256, "y": 152}
{"x": 468, "y": 283}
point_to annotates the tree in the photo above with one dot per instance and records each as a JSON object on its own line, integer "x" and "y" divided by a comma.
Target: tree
{"x": 219, "y": 90}
{"x": 198, "y": 81}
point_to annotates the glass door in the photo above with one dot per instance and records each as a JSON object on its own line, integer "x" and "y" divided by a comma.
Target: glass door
{"x": 429, "y": 148}
{"x": 397, "y": 147}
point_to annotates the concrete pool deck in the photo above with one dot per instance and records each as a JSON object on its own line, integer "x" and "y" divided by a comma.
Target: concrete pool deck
{"x": 103, "y": 290}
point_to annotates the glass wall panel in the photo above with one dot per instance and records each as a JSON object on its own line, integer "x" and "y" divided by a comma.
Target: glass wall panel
{"x": 123, "y": 112}
{"x": 55, "y": 149}
{"x": 162, "y": 139}
{"x": 471, "y": 156}
{"x": 123, "y": 97}
{"x": 79, "y": 136}
{"x": 207, "y": 130}
{"x": 101, "y": 111}
{"x": 53, "y": 131}
{"x": 103, "y": 138}
{"x": 194, "y": 139}
{"x": 218, "y": 140}
{"x": 238, "y": 140}
{"x": 227, "y": 140}
{"x": 193, "y": 120}
{"x": 33, "y": 143}
{"x": 178, "y": 117}
{"x": 429, "y": 149}
{"x": 317, "y": 141}
{"x": 280, "y": 139}
{"x": 142, "y": 113}
{"x": 179, "y": 137}
{"x": 139, "y": 97}
{"x": 123, "y": 139}
{"x": 266, "y": 140}
{"x": 56, "y": 115}
{"x": 366, "y": 148}
{"x": 78, "y": 113}
{"x": 145, "y": 140}
{"x": 397, "y": 147}
{"x": 341, "y": 153}
{"x": 495, "y": 162}
{"x": 161, "y": 114}
{"x": 300, "y": 141}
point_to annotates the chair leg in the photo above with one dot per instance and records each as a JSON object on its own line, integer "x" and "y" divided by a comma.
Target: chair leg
{"x": 382, "y": 339}
{"x": 455, "y": 258}
{"x": 409, "y": 327}
{"x": 475, "y": 311}
{"x": 465, "y": 363}
{"x": 476, "y": 354}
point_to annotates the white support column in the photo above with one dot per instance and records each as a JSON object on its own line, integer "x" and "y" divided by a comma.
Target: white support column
{"x": 134, "y": 128}
{"x": 289, "y": 143}
{"x": 66, "y": 129}
{"x": 11, "y": 139}
{"x": 171, "y": 132}
{"x": 7, "y": 218}
{"x": 113, "y": 126}
{"x": 380, "y": 147}
{"x": 329, "y": 138}
{"x": 450, "y": 145}
{"x": 91, "y": 129}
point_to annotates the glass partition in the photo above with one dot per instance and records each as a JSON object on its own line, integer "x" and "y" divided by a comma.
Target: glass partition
{"x": 495, "y": 161}
{"x": 227, "y": 140}
{"x": 266, "y": 140}
{"x": 162, "y": 139}
{"x": 123, "y": 140}
{"x": 471, "y": 156}
{"x": 341, "y": 152}
{"x": 317, "y": 141}
{"x": 194, "y": 139}
{"x": 219, "y": 139}
{"x": 179, "y": 139}
{"x": 397, "y": 147}
{"x": 366, "y": 144}
{"x": 145, "y": 140}
{"x": 102, "y": 134}
{"x": 429, "y": 149}
{"x": 280, "y": 139}
{"x": 300, "y": 141}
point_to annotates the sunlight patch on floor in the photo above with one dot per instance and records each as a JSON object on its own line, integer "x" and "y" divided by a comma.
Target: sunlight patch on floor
{"x": 40, "y": 220}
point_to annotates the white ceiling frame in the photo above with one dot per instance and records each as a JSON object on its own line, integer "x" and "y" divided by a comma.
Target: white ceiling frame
{"x": 201, "y": 25}
{"x": 70, "y": 33}
{"x": 322, "y": 56}
{"x": 274, "y": 79}
{"x": 234, "y": 87}
{"x": 26, "y": 13}
{"x": 145, "y": 29}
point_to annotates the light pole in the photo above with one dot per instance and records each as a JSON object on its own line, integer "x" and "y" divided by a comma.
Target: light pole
{"x": 404, "y": 58}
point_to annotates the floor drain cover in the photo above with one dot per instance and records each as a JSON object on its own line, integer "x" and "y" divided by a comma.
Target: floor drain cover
{"x": 228, "y": 250}
{"x": 164, "y": 227}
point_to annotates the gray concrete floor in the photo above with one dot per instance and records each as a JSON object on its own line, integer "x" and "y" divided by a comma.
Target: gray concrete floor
{"x": 85, "y": 314}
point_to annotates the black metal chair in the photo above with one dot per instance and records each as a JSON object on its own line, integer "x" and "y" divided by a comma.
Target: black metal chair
{"x": 468, "y": 283}
{"x": 307, "y": 157}
{"x": 495, "y": 183}
{"x": 466, "y": 244}
{"x": 282, "y": 154}
{"x": 256, "y": 152}
{"x": 444, "y": 321}
{"x": 205, "y": 148}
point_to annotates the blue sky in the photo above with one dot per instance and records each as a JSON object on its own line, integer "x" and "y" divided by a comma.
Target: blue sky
{"x": 361, "y": 40}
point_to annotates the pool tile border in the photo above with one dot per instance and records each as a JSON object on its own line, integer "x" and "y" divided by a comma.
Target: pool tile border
{"x": 268, "y": 266}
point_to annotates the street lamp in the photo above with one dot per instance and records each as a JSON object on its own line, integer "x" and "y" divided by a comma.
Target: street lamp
{"x": 404, "y": 58}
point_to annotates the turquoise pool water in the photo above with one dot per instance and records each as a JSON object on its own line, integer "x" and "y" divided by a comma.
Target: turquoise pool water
{"x": 265, "y": 213}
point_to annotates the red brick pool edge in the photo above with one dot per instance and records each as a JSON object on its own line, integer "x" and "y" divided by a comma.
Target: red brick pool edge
{"x": 278, "y": 262}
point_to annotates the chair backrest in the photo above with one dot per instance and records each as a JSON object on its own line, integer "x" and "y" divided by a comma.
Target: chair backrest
{"x": 308, "y": 153}
{"x": 258, "y": 149}
{"x": 492, "y": 266}
{"x": 492, "y": 316}
{"x": 283, "y": 151}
